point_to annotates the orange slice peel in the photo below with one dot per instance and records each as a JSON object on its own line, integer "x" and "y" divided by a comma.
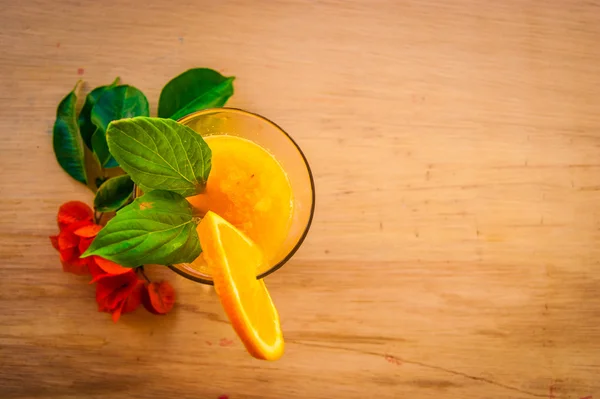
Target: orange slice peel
{"x": 234, "y": 260}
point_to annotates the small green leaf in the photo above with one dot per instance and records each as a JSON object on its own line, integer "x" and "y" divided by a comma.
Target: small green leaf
{"x": 86, "y": 127}
{"x": 193, "y": 90}
{"x": 113, "y": 194}
{"x": 161, "y": 154}
{"x": 114, "y": 104}
{"x": 158, "y": 227}
{"x": 67, "y": 142}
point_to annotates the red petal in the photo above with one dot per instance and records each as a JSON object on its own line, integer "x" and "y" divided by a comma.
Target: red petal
{"x": 84, "y": 244}
{"x": 78, "y": 266}
{"x": 89, "y": 231}
{"x": 95, "y": 271}
{"x": 54, "y": 241}
{"x": 67, "y": 239}
{"x": 74, "y": 211}
{"x": 105, "y": 287}
{"x": 111, "y": 289}
{"x": 102, "y": 306}
{"x": 67, "y": 254}
{"x": 98, "y": 277}
{"x": 135, "y": 298}
{"x": 117, "y": 312}
{"x": 124, "y": 292}
{"x": 75, "y": 226}
{"x": 160, "y": 297}
{"x": 111, "y": 267}
{"x": 103, "y": 290}
{"x": 115, "y": 300}
{"x": 146, "y": 300}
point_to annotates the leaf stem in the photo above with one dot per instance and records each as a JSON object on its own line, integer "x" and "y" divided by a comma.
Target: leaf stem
{"x": 141, "y": 269}
{"x": 197, "y": 214}
{"x": 98, "y": 217}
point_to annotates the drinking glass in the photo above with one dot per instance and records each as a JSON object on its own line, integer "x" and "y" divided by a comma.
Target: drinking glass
{"x": 271, "y": 137}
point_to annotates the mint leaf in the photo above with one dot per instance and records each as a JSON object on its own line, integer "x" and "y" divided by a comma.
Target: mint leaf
{"x": 113, "y": 194}
{"x": 86, "y": 127}
{"x": 194, "y": 90}
{"x": 115, "y": 103}
{"x": 161, "y": 154}
{"x": 67, "y": 143}
{"x": 158, "y": 227}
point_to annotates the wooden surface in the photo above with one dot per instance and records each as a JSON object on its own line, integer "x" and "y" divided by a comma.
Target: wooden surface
{"x": 455, "y": 248}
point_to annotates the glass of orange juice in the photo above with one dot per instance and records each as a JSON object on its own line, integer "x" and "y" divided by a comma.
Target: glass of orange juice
{"x": 260, "y": 182}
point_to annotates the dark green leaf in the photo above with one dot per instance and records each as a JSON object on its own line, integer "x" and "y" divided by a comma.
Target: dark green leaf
{"x": 86, "y": 127}
{"x": 67, "y": 142}
{"x": 161, "y": 154}
{"x": 193, "y": 90}
{"x": 99, "y": 181}
{"x": 114, "y": 104}
{"x": 158, "y": 227}
{"x": 101, "y": 150}
{"x": 113, "y": 194}
{"x": 217, "y": 97}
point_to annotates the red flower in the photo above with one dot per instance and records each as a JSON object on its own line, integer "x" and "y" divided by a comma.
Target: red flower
{"x": 118, "y": 289}
{"x": 75, "y": 223}
{"x": 77, "y": 231}
{"x": 72, "y": 212}
{"x": 101, "y": 268}
{"x": 118, "y": 294}
{"x": 158, "y": 298}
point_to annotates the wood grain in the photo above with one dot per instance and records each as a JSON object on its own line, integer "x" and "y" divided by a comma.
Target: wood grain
{"x": 454, "y": 252}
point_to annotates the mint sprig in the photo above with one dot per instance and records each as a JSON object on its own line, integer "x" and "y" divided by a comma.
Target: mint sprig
{"x": 168, "y": 161}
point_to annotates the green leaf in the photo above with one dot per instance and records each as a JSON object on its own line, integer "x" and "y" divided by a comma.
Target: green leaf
{"x": 101, "y": 150}
{"x": 217, "y": 97}
{"x": 158, "y": 227}
{"x": 113, "y": 194}
{"x": 161, "y": 154}
{"x": 86, "y": 127}
{"x": 67, "y": 142}
{"x": 99, "y": 181}
{"x": 193, "y": 90}
{"x": 114, "y": 104}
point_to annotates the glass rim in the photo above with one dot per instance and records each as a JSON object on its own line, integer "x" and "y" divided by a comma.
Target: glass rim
{"x": 293, "y": 251}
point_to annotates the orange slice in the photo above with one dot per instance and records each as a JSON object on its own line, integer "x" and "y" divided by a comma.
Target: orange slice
{"x": 234, "y": 260}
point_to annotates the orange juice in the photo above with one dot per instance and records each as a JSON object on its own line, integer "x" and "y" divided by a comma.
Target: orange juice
{"x": 248, "y": 187}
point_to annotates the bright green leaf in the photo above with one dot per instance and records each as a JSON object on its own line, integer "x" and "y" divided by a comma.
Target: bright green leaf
{"x": 67, "y": 142}
{"x": 114, "y": 104}
{"x": 193, "y": 90}
{"x": 158, "y": 227}
{"x": 113, "y": 194}
{"x": 161, "y": 154}
{"x": 86, "y": 127}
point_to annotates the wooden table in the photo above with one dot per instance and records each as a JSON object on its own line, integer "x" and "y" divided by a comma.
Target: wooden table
{"x": 455, "y": 251}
